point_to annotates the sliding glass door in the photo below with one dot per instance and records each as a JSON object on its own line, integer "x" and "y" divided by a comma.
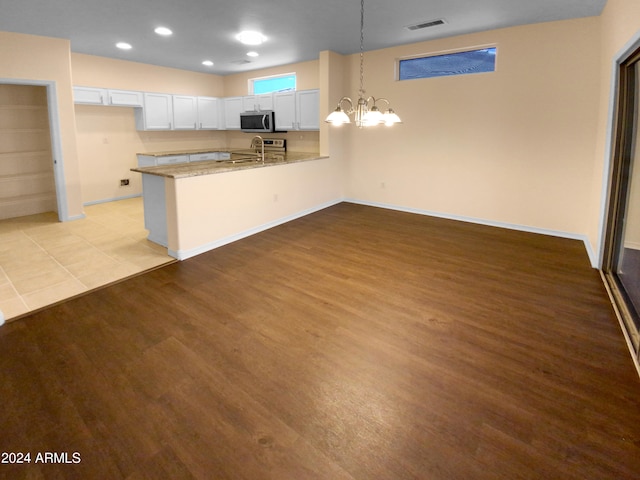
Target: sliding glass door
{"x": 622, "y": 243}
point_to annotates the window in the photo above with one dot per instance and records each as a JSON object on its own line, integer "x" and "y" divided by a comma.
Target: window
{"x": 460, "y": 63}
{"x": 279, "y": 83}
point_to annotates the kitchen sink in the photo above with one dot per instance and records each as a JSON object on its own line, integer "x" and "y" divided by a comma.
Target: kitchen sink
{"x": 252, "y": 158}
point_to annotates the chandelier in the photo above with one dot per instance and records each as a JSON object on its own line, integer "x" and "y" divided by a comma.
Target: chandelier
{"x": 366, "y": 112}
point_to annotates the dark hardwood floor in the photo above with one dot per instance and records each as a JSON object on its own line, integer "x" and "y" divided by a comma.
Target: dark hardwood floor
{"x": 354, "y": 343}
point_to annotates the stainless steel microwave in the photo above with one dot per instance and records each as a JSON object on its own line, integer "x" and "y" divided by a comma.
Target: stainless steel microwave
{"x": 257, "y": 121}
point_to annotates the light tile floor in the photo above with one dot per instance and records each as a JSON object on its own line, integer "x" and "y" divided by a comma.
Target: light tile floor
{"x": 43, "y": 261}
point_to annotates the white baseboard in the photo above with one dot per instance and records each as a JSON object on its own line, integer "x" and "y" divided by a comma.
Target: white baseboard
{"x": 523, "y": 228}
{"x": 107, "y": 200}
{"x": 184, "y": 254}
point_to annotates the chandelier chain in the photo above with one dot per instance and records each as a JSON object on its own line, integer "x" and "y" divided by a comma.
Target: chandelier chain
{"x": 366, "y": 113}
{"x": 361, "y": 48}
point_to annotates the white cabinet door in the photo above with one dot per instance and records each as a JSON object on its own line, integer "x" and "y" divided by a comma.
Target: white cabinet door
{"x": 308, "y": 110}
{"x": 297, "y": 110}
{"x": 155, "y": 208}
{"x": 265, "y": 101}
{"x": 125, "y": 98}
{"x": 208, "y": 113}
{"x": 202, "y": 157}
{"x": 90, "y": 96}
{"x": 157, "y": 113}
{"x": 147, "y": 160}
{"x": 249, "y": 104}
{"x": 284, "y": 107}
{"x": 253, "y": 103}
{"x": 172, "y": 159}
{"x": 185, "y": 112}
{"x": 232, "y": 109}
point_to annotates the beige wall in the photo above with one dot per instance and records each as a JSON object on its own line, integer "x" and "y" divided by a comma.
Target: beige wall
{"x": 92, "y": 71}
{"x": 34, "y": 58}
{"x": 108, "y": 143}
{"x": 244, "y": 202}
{"x": 513, "y": 147}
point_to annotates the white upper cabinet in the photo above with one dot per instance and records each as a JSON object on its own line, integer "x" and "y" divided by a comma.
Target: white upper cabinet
{"x": 295, "y": 110}
{"x": 298, "y": 110}
{"x": 90, "y": 96}
{"x": 308, "y": 109}
{"x": 157, "y": 112}
{"x": 208, "y": 113}
{"x": 232, "y": 109}
{"x": 103, "y": 96}
{"x": 185, "y": 112}
{"x": 124, "y": 98}
{"x": 253, "y": 103}
{"x": 284, "y": 107}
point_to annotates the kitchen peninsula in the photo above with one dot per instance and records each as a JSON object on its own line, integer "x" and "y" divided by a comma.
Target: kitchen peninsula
{"x": 195, "y": 206}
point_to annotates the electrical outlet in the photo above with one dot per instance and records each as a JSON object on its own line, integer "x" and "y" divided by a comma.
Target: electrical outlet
{"x": 124, "y": 182}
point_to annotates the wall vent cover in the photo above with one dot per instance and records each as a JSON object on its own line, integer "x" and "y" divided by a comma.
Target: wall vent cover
{"x": 421, "y": 25}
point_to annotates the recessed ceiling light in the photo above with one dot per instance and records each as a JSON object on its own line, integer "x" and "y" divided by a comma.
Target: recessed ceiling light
{"x": 252, "y": 54}
{"x": 163, "y": 31}
{"x": 251, "y": 38}
{"x": 123, "y": 46}
{"x": 208, "y": 63}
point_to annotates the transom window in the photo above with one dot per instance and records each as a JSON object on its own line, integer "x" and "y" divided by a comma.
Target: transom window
{"x": 459, "y": 63}
{"x": 276, "y": 83}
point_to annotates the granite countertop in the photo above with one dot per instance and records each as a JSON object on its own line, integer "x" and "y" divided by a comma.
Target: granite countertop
{"x": 245, "y": 159}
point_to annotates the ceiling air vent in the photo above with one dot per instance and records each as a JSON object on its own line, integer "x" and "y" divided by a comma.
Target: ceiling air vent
{"x": 241, "y": 62}
{"x": 421, "y": 25}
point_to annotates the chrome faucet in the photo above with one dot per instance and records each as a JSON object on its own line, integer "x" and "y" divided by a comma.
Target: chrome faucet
{"x": 254, "y": 146}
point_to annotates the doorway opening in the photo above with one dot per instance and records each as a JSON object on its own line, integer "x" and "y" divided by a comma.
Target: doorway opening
{"x": 46, "y": 128}
{"x": 27, "y": 183}
{"x": 621, "y": 259}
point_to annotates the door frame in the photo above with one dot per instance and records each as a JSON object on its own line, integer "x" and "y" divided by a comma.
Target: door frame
{"x": 56, "y": 142}
{"x": 615, "y": 185}
{"x": 612, "y": 122}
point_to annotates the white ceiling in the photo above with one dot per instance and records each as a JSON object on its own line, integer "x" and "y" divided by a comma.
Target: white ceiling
{"x": 297, "y": 30}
